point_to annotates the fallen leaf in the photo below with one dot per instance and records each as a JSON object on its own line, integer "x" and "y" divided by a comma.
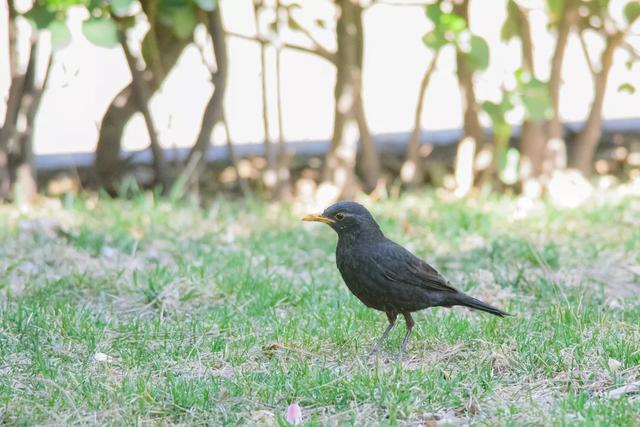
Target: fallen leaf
{"x": 294, "y": 414}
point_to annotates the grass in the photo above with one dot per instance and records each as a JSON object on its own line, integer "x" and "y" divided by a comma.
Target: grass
{"x": 143, "y": 311}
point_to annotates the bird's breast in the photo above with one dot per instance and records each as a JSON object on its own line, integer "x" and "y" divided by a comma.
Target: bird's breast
{"x": 356, "y": 275}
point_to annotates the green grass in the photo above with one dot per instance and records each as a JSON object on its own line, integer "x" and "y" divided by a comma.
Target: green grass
{"x": 224, "y": 315}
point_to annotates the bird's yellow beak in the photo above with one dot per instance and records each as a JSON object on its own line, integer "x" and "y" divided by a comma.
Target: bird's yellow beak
{"x": 318, "y": 218}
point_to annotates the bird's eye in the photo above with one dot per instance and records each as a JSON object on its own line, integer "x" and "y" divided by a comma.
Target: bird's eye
{"x": 339, "y": 216}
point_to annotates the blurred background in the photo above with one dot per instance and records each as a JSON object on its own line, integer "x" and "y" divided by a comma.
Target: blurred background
{"x": 318, "y": 99}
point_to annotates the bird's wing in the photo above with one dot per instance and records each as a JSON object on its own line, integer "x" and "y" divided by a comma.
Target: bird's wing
{"x": 401, "y": 266}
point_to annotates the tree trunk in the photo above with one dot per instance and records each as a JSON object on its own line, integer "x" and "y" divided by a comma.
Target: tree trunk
{"x": 141, "y": 96}
{"x": 349, "y": 117}
{"x": 8, "y": 130}
{"x": 123, "y": 106}
{"x": 471, "y": 122}
{"x": 565, "y": 25}
{"x": 213, "y": 110}
{"x": 533, "y": 139}
{"x": 411, "y": 172}
{"x": 586, "y": 142}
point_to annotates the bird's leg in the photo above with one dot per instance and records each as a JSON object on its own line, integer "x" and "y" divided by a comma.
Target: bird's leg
{"x": 392, "y": 322}
{"x": 410, "y": 323}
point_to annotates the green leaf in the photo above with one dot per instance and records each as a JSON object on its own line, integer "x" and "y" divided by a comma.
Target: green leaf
{"x": 433, "y": 12}
{"x": 477, "y": 58}
{"x": 40, "y": 16}
{"x": 94, "y": 4}
{"x": 492, "y": 109}
{"x": 120, "y": 7}
{"x": 534, "y": 95}
{"x": 632, "y": 11}
{"x": 509, "y": 30}
{"x": 627, "y": 87}
{"x": 434, "y": 39}
{"x": 102, "y": 32}
{"x": 451, "y": 22}
{"x": 60, "y": 35}
{"x": 320, "y": 23}
{"x": 497, "y": 112}
{"x": 555, "y": 8}
{"x": 183, "y": 22}
{"x": 207, "y": 5}
{"x": 510, "y": 27}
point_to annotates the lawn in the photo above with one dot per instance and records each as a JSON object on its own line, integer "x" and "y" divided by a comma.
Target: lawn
{"x": 145, "y": 311}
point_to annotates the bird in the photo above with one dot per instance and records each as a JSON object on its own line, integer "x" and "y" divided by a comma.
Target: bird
{"x": 384, "y": 275}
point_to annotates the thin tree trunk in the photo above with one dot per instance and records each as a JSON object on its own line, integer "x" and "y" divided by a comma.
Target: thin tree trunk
{"x": 565, "y": 25}
{"x": 349, "y": 117}
{"x": 474, "y": 134}
{"x": 586, "y": 142}
{"x": 533, "y": 139}
{"x": 283, "y": 189}
{"x": 369, "y": 165}
{"x": 25, "y": 172}
{"x": 141, "y": 96}
{"x": 471, "y": 122}
{"x": 270, "y": 173}
{"x": 213, "y": 110}
{"x": 233, "y": 157}
{"x": 411, "y": 172}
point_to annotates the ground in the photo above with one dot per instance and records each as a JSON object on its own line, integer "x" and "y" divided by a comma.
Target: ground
{"x": 143, "y": 311}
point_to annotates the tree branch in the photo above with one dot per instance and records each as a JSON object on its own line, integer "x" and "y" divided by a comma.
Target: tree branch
{"x": 329, "y": 56}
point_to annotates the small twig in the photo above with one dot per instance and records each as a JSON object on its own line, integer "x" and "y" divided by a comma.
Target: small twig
{"x": 632, "y": 50}
{"x": 308, "y": 34}
{"x": 587, "y": 56}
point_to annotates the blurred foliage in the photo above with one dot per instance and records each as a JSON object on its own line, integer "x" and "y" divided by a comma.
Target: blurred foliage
{"x": 107, "y": 22}
{"x": 452, "y": 29}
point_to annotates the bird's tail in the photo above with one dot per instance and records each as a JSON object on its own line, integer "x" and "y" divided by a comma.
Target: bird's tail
{"x": 471, "y": 302}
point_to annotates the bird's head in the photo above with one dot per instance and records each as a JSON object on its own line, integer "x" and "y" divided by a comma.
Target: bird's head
{"x": 347, "y": 218}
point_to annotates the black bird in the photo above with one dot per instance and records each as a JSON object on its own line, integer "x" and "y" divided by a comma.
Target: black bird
{"x": 384, "y": 275}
